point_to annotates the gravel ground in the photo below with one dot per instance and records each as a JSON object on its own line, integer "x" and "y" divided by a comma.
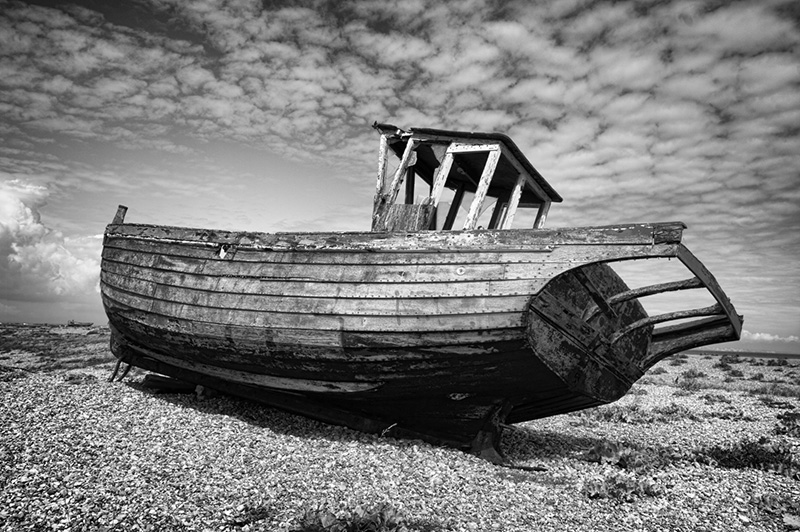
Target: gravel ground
{"x": 79, "y": 453}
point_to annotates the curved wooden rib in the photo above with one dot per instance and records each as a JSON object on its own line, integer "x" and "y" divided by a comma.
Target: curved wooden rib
{"x": 644, "y": 291}
{"x": 713, "y": 310}
{"x": 676, "y": 338}
{"x": 723, "y": 324}
{"x": 700, "y": 271}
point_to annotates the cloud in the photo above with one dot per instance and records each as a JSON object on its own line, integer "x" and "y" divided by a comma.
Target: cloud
{"x": 634, "y": 111}
{"x": 36, "y": 262}
{"x": 767, "y": 337}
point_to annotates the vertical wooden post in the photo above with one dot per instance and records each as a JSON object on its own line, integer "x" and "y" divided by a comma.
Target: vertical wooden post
{"x": 120, "y": 216}
{"x": 541, "y": 216}
{"x": 382, "y": 159}
{"x": 408, "y": 159}
{"x": 458, "y": 197}
{"x": 441, "y": 178}
{"x": 499, "y": 210}
{"x": 483, "y": 187}
{"x": 513, "y": 202}
{"x": 411, "y": 176}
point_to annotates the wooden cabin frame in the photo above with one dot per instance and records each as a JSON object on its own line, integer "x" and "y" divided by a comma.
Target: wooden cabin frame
{"x": 487, "y": 165}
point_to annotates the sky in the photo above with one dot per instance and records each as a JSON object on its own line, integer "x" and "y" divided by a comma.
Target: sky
{"x": 255, "y": 115}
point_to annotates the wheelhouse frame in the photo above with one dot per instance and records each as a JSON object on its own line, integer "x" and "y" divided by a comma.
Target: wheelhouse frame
{"x": 482, "y": 171}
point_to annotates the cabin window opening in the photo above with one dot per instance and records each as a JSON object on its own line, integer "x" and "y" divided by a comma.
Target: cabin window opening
{"x": 525, "y": 216}
{"x": 499, "y": 212}
{"x": 479, "y": 205}
{"x": 457, "y": 192}
{"x": 485, "y": 218}
{"x": 417, "y": 191}
{"x": 391, "y": 168}
{"x": 453, "y": 208}
{"x": 457, "y": 214}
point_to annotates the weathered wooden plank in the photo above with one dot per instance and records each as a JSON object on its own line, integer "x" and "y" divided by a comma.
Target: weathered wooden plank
{"x": 211, "y": 252}
{"x": 490, "y": 240}
{"x": 311, "y": 304}
{"x": 559, "y": 260}
{"x": 383, "y": 152}
{"x": 119, "y": 217}
{"x": 644, "y": 291}
{"x": 297, "y": 385}
{"x": 440, "y": 178}
{"x": 594, "y": 293}
{"x": 248, "y": 285}
{"x": 712, "y": 310}
{"x": 168, "y": 308}
{"x": 541, "y": 215}
{"x": 408, "y": 159}
{"x": 462, "y": 147}
{"x": 563, "y": 318}
{"x": 312, "y": 343}
{"x": 683, "y": 336}
{"x": 403, "y": 217}
{"x": 376, "y": 364}
{"x": 513, "y": 202}
{"x": 315, "y": 272}
{"x": 702, "y": 273}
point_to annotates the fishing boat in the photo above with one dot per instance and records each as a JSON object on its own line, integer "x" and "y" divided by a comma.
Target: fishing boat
{"x": 457, "y": 314}
{"x": 73, "y": 323}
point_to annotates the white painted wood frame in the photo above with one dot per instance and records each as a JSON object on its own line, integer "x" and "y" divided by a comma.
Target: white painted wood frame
{"x": 483, "y": 187}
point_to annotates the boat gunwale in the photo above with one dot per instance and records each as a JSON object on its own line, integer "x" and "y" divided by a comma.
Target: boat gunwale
{"x": 400, "y": 242}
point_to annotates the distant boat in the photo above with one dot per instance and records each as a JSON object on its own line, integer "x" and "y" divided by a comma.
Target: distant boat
{"x": 413, "y": 329}
{"x": 73, "y": 323}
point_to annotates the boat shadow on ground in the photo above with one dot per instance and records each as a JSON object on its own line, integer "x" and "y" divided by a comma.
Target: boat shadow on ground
{"x": 519, "y": 443}
{"x": 523, "y": 444}
{"x": 262, "y": 415}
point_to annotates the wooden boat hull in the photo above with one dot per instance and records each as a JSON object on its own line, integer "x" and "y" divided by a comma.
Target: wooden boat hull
{"x": 442, "y": 336}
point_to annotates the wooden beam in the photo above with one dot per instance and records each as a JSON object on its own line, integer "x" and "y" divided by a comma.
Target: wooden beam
{"x": 541, "y": 216}
{"x": 700, "y": 271}
{"x": 458, "y": 197}
{"x": 513, "y": 202}
{"x": 410, "y": 178}
{"x": 405, "y": 162}
{"x": 713, "y": 310}
{"x": 676, "y": 338}
{"x": 441, "y": 178}
{"x": 459, "y": 147}
{"x": 616, "y": 235}
{"x": 483, "y": 187}
{"x": 594, "y": 293}
{"x": 383, "y": 152}
{"x": 645, "y": 291}
{"x": 120, "y": 216}
{"x": 499, "y": 209}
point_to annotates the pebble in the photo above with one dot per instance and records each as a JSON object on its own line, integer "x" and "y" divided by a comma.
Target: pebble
{"x": 97, "y": 455}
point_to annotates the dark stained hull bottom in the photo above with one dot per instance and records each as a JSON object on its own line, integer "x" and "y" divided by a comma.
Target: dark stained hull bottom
{"x": 426, "y": 408}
